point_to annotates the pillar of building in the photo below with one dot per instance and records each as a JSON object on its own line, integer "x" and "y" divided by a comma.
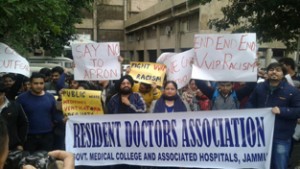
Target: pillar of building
{"x": 269, "y": 55}
{"x": 158, "y": 51}
{"x": 177, "y": 36}
{"x": 146, "y": 54}
{"x": 95, "y": 23}
{"x": 135, "y": 55}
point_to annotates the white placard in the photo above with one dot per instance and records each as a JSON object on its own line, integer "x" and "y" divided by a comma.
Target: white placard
{"x": 225, "y": 57}
{"x": 179, "y": 67}
{"x": 12, "y": 62}
{"x": 96, "y": 61}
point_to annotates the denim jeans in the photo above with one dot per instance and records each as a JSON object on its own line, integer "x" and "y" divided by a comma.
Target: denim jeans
{"x": 280, "y": 154}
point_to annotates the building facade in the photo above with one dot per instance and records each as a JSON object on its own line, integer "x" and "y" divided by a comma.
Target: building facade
{"x": 147, "y": 28}
{"x": 105, "y": 23}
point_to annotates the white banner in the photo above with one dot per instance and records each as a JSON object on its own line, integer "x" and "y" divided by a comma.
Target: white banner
{"x": 96, "y": 61}
{"x": 12, "y": 62}
{"x": 225, "y": 57}
{"x": 206, "y": 139}
{"x": 179, "y": 66}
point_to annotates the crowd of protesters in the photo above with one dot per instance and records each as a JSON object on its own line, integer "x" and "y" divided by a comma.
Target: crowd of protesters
{"x": 31, "y": 106}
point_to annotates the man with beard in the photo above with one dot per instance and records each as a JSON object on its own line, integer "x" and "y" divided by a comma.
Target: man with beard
{"x": 284, "y": 99}
{"x": 57, "y": 81}
{"x": 40, "y": 108}
{"x": 126, "y": 101}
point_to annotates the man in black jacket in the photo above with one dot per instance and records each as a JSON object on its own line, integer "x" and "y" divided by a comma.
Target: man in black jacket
{"x": 16, "y": 120}
{"x": 3, "y": 143}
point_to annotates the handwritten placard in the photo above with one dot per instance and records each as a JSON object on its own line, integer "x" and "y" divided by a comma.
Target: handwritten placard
{"x": 96, "y": 61}
{"x": 179, "y": 67}
{"x": 148, "y": 72}
{"x": 225, "y": 57}
{"x": 81, "y": 102}
{"x": 11, "y": 61}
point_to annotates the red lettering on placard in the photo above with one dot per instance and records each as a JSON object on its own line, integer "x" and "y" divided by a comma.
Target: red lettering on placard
{"x": 9, "y": 51}
{"x": 14, "y": 64}
{"x": 159, "y": 67}
{"x": 185, "y": 62}
{"x": 218, "y": 47}
{"x": 97, "y": 62}
{"x": 223, "y": 43}
{"x": 203, "y": 42}
{"x": 95, "y": 48}
{"x": 182, "y": 80}
{"x": 245, "y": 45}
{"x": 226, "y": 63}
{"x": 173, "y": 67}
{"x": 113, "y": 49}
{"x": 87, "y": 50}
{"x": 100, "y": 73}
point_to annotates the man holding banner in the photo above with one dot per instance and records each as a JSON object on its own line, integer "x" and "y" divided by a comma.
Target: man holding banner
{"x": 285, "y": 102}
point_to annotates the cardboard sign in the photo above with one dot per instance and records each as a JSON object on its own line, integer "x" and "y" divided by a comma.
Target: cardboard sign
{"x": 225, "y": 57}
{"x": 148, "y": 72}
{"x": 81, "y": 102}
{"x": 12, "y": 62}
{"x": 96, "y": 61}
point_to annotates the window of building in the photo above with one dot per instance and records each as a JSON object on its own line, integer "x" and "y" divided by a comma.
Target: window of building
{"x": 194, "y": 22}
{"x": 139, "y": 36}
{"x": 152, "y": 55}
{"x": 111, "y": 35}
{"x": 167, "y": 28}
{"x": 87, "y": 14}
{"x": 110, "y": 12}
{"x": 130, "y": 37}
{"x": 151, "y": 32}
{"x": 140, "y": 56}
{"x": 184, "y": 25}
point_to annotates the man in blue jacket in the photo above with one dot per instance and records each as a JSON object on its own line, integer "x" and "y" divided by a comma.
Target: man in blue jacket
{"x": 284, "y": 99}
{"x": 126, "y": 101}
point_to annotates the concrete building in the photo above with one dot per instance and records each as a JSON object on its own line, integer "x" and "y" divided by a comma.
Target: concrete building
{"x": 170, "y": 26}
{"x": 147, "y": 28}
{"x": 106, "y": 21}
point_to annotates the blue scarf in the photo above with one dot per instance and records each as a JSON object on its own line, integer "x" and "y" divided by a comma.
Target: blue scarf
{"x": 160, "y": 106}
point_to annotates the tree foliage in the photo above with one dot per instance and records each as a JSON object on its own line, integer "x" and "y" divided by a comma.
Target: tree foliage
{"x": 269, "y": 19}
{"x": 31, "y": 24}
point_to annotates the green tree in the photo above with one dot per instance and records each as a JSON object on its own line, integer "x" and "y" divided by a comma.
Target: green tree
{"x": 31, "y": 24}
{"x": 269, "y": 19}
